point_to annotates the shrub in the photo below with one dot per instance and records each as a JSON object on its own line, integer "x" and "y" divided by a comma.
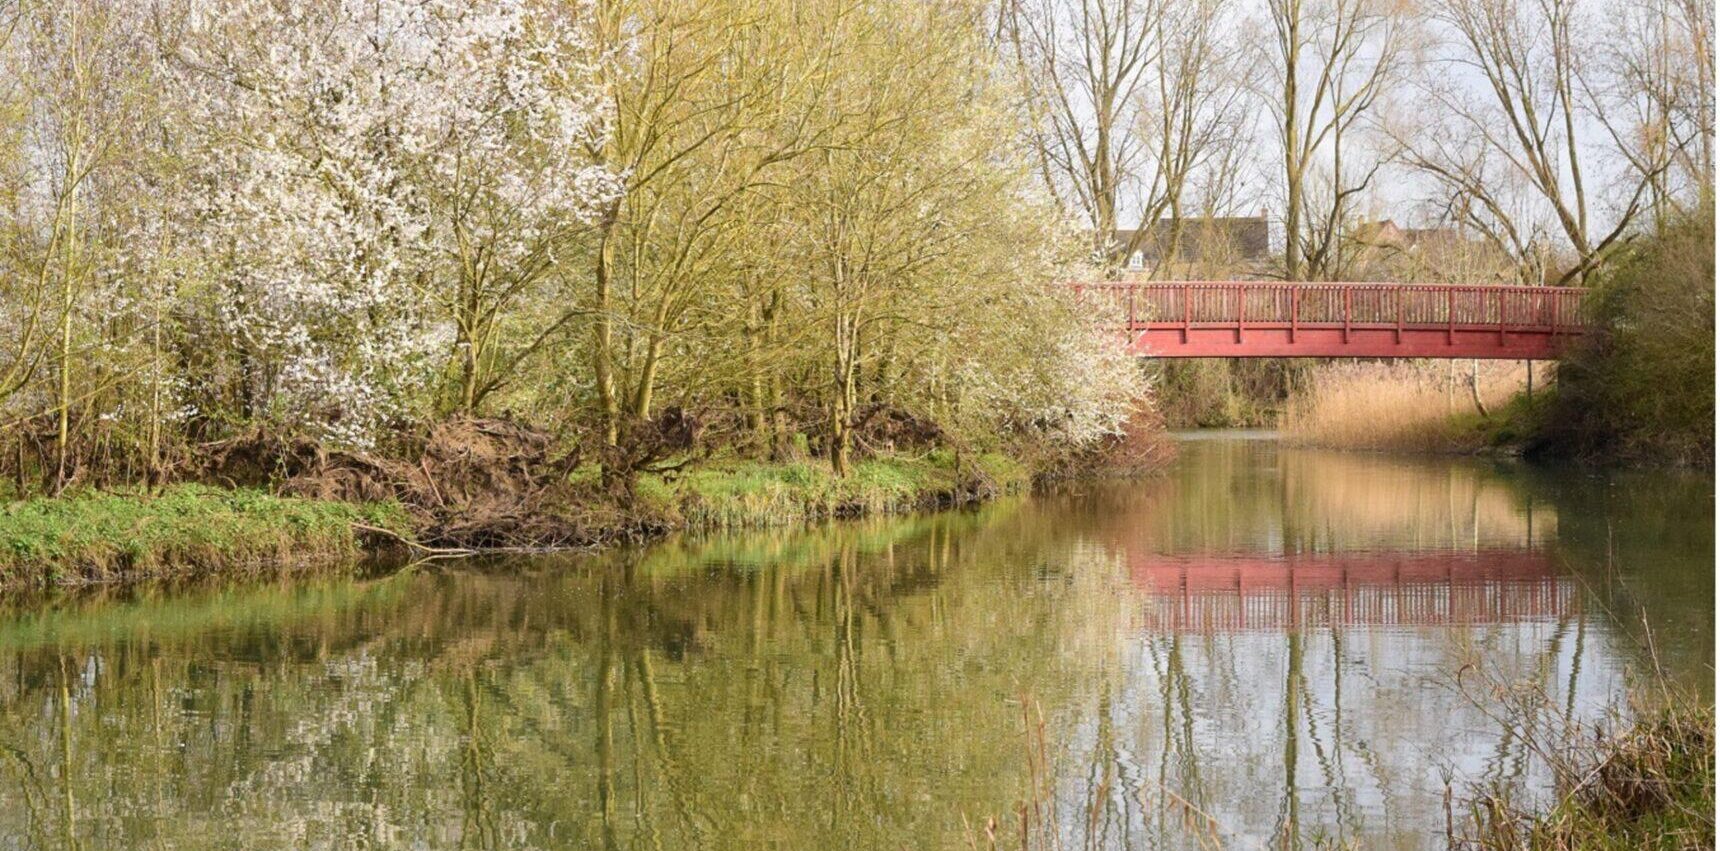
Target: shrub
{"x": 1644, "y": 389}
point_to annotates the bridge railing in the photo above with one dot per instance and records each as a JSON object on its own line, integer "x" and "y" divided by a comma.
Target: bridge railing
{"x": 1267, "y": 304}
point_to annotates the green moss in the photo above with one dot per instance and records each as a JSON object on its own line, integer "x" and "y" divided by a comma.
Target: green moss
{"x": 1514, "y": 425}
{"x": 184, "y": 529}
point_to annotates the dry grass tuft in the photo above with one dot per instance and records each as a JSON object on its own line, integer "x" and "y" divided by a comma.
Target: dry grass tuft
{"x": 1646, "y": 784}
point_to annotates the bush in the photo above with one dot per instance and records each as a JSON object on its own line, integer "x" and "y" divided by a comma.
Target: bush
{"x": 1644, "y": 389}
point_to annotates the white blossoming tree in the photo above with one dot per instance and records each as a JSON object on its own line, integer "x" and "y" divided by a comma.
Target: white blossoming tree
{"x": 381, "y": 183}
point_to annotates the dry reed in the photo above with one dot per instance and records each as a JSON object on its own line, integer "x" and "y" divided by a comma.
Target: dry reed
{"x": 1411, "y": 405}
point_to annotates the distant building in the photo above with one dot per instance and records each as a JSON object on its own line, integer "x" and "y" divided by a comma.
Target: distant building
{"x": 1386, "y": 233}
{"x": 1228, "y": 242}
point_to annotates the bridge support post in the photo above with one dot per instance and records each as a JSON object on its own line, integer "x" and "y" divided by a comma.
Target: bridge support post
{"x": 1450, "y": 317}
{"x": 1500, "y": 298}
{"x": 1397, "y": 300}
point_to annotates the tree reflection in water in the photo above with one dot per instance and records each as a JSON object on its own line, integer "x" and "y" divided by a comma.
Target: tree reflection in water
{"x": 1259, "y": 648}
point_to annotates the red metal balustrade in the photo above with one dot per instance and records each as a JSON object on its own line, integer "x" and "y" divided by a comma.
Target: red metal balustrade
{"x": 1184, "y": 319}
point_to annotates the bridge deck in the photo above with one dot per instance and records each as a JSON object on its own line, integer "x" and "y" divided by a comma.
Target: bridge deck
{"x": 1202, "y": 319}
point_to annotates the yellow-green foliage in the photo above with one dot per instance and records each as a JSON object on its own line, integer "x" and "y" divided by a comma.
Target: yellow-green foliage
{"x": 185, "y": 529}
{"x": 742, "y": 494}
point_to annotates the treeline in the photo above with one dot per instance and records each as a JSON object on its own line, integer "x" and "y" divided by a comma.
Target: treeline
{"x": 1462, "y": 141}
{"x": 343, "y": 220}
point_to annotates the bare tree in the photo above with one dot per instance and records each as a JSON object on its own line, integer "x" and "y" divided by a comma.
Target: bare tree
{"x": 1517, "y": 161}
{"x": 1128, "y": 103}
{"x": 1331, "y": 61}
{"x": 1660, "y": 75}
{"x": 1085, "y": 65}
{"x": 1194, "y": 121}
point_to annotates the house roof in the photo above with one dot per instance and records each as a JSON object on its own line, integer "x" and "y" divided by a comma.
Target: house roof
{"x": 1387, "y": 233}
{"x": 1241, "y": 237}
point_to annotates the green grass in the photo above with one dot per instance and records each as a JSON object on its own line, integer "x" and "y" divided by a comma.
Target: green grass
{"x": 745, "y": 494}
{"x": 184, "y": 530}
{"x": 197, "y": 530}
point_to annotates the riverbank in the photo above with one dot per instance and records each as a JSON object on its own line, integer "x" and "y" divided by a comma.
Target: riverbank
{"x": 183, "y": 530}
{"x": 190, "y": 529}
{"x": 1645, "y": 784}
{"x": 1636, "y": 391}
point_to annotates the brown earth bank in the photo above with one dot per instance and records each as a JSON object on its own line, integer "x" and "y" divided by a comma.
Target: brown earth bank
{"x": 477, "y": 484}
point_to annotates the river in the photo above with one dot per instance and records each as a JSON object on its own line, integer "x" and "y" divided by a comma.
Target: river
{"x": 1265, "y": 643}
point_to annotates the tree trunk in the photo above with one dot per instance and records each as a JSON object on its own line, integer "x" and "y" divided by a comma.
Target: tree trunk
{"x": 603, "y": 363}
{"x": 67, "y": 289}
{"x": 1475, "y": 386}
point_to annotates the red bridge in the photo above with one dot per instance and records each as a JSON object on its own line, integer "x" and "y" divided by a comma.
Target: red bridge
{"x": 1261, "y": 319}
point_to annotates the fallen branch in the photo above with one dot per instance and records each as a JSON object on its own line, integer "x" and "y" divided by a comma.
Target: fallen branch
{"x": 452, "y": 552}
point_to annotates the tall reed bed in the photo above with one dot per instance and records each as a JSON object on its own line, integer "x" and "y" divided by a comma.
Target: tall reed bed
{"x": 1421, "y": 406}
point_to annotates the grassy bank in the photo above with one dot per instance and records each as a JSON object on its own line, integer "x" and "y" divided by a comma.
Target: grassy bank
{"x": 185, "y": 529}
{"x": 198, "y": 530}
{"x": 744, "y": 494}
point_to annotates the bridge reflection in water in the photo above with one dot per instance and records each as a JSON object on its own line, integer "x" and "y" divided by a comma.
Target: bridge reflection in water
{"x": 1218, "y": 593}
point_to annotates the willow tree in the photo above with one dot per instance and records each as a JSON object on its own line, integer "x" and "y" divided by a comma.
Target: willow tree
{"x": 710, "y": 102}
{"x": 78, "y": 92}
{"x": 911, "y": 234}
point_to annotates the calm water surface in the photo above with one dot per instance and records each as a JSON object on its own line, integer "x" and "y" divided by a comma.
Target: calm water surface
{"x": 1263, "y": 647}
